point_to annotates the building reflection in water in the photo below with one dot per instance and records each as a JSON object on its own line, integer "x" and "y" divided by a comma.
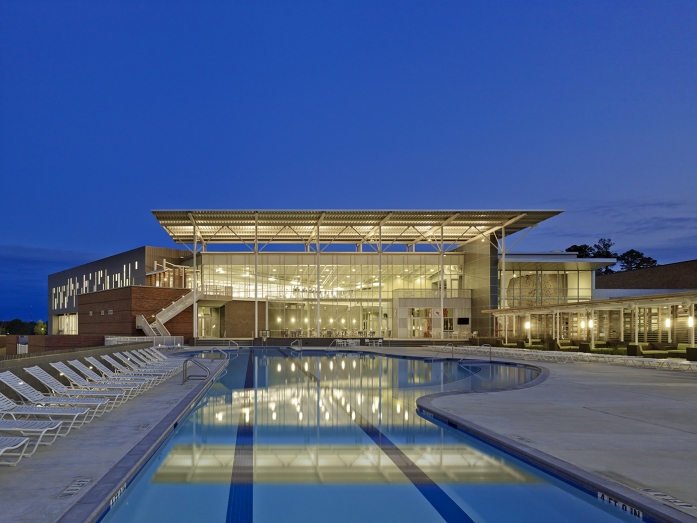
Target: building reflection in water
{"x": 306, "y": 414}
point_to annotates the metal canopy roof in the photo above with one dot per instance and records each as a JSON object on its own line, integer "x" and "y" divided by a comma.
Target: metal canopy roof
{"x": 414, "y": 226}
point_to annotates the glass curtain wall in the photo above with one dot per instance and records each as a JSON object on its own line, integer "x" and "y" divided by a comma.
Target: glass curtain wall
{"x": 349, "y": 287}
{"x": 529, "y": 288}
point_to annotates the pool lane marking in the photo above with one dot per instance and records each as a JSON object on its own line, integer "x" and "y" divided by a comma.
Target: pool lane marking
{"x": 450, "y": 511}
{"x": 240, "y": 505}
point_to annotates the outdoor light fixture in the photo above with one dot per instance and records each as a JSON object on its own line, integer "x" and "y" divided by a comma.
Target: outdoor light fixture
{"x": 583, "y": 324}
{"x": 527, "y": 325}
{"x": 690, "y": 321}
{"x": 278, "y": 368}
{"x": 590, "y": 324}
{"x": 667, "y": 323}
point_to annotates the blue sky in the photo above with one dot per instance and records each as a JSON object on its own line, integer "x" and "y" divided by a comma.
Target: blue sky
{"x": 111, "y": 109}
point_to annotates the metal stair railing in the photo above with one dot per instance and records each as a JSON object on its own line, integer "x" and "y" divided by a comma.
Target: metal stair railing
{"x": 185, "y": 367}
{"x": 175, "y": 308}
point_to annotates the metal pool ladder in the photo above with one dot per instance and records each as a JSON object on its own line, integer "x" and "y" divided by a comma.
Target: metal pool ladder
{"x": 452, "y": 351}
{"x": 186, "y": 377}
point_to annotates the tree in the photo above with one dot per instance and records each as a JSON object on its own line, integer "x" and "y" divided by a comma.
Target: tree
{"x": 629, "y": 260}
{"x": 633, "y": 259}
{"x": 602, "y": 249}
{"x": 40, "y": 327}
{"x": 584, "y": 250}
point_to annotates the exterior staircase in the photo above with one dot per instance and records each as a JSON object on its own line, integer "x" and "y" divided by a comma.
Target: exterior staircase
{"x": 157, "y": 328}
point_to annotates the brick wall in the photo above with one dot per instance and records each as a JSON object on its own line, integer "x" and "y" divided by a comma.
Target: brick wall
{"x": 55, "y": 342}
{"x": 239, "y": 318}
{"x": 120, "y": 323}
{"x": 148, "y": 301}
{"x": 127, "y": 303}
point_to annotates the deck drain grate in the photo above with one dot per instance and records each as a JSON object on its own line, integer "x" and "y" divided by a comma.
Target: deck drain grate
{"x": 75, "y": 487}
{"x": 520, "y": 438}
{"x": 143, "y": 427}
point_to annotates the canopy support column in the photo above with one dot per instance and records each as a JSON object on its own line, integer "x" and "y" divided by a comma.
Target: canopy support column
{"x": 380, "y": 281}
{"x": 442, "y": 285}
{"x": 256, "y": 274}
{"x": 319, "y": 309}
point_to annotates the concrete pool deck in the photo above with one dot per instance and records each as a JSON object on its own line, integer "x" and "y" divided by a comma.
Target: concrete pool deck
{"x": 636, "y": 427}
{"x": 32, "y": 491}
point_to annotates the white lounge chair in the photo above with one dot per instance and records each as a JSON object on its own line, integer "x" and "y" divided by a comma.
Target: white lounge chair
{"x": 38, "y": 432}
{"x": 12, "y": 450}
{"x": 143, "y": 364}
{"x": 149, "y": 358}
{"x": 160, "y": 376}
{"x": 95, "y": 380}
{"x": 133, "y": 366}
{"x": 97, "y": 406}
{"x": 61, "y": 390}
{"x": 72, "y": 417}
{"x": 78, "y": 383}
{"x": 106, "y": 372}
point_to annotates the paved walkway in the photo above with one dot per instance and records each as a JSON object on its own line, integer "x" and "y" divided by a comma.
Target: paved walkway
{"x": 637, "y": 427}
{"x": 30, "y": 492}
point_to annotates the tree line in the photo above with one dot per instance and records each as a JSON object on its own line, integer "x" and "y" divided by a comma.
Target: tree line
{"x": 629, "y": 260}
{"x": 22, "y": 328}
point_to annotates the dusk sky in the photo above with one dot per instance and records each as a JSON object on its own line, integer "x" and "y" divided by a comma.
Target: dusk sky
{"x": 111, "y": 109}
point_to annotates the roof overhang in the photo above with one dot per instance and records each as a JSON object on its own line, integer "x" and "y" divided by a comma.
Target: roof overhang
{"x": 553, "y": 262}
{"x": 627, "y": 302}
{"x": 336, "y": 226}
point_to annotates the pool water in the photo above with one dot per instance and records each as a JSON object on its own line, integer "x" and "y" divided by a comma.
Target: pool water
{"x": 285, "y": 436}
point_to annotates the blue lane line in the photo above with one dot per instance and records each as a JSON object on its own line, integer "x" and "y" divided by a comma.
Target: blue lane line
{"x": 450, "y": 511}
{"x": 240, "y": 505}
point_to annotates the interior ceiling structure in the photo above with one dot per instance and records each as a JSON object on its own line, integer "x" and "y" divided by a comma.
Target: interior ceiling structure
{"x": 415, "y": 226}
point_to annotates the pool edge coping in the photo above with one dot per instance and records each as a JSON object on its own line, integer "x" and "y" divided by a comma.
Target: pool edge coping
{"x": 558, "y": 468}
{"x": 107, "y": 490}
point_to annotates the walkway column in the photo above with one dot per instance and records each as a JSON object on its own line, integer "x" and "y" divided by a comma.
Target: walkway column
{"x": 691, "y": 324}
{"x": 529, "y": 327}
{"x": 591, "y": 325}
{"x": 636, "y": 324}
{"x": 660, "y": 324}
{"x": 503, "y": 281}
{"x": 622, "y": 324}
{"x": 256, "y": 274}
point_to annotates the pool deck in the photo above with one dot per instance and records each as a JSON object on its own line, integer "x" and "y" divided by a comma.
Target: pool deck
{"x": 636, "y": 427}
{"x": 31, "y": 491}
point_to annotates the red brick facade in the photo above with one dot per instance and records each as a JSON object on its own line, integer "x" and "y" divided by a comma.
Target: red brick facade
{"x": 125, "y": 304}
{"x": 239, "y": 318}
{"x": 50, "y": 342}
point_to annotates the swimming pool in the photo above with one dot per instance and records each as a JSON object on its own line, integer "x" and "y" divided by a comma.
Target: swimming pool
{"x": 286, "y": 436}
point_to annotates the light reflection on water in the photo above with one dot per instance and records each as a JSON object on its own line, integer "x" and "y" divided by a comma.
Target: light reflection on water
{"x": 309, "y": 419}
